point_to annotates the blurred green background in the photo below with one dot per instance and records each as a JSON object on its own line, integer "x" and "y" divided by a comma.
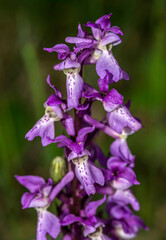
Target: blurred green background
{"x": 28, "y": 26}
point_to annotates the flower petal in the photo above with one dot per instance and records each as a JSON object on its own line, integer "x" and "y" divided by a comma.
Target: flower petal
{"x": 73, "y": 146}
{"x": 72, "y": 155}
{"x": 121, "y": 118}
{"x": 125, "y": 197}
{"x": 62, "y": 49}
{"x": 74, "y": 86}
{"x": 67, "y": 237}
{"x": 57, "y": 92}
{"x": 97, "y": 33}
{"x": 104, "y": 83}
{"x": 106, "y": 129}
{"x": 97, "y": 174}
{"x": 107, "y": 62}
{"x": 104, "y": 21}
{"x": 81, "y": 33}
{"x": 78, "y": 40}
{"x": 84, "y": 175}
{"x": 110, "y": 38}
{"x": 128, "y": 174}
{"x": 26, "y": 199}
{"x": 121, "y": 183}
{"x": 91, "y": 207}
{"x": 69, "y": 219}
{"x": 32, "y": 183}
{"x": 115, "y": 164}
{"x": 66, "y": 64}
{"x": 69, "y": 124}
{"x": 82, "y": 134}
{"x": 90, "y": 92}
{"x": 119, "y": 148}
{"x": 65, "y": 180}
{"x": 116, "y": 30}
{"x": 48, "y": 223}
{"x": 39, "y": 201}
{"x": 112, "y": 100}
{"x": 43, "y": 128}
{"x": 96, "y": 153}
{"x": 84, "y": 54}
{"x": 54, "y": 102}
{"x": 94, "y": 230}
{"x": 119, "y": 211}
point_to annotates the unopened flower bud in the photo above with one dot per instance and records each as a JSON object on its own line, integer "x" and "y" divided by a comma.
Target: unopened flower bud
{"x": 58, "y": 169}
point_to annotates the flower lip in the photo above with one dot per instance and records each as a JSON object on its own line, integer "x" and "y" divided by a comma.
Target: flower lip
{"x": 121, "y": 119}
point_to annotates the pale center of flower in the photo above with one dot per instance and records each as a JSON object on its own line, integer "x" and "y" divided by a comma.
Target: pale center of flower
{"x": 51, "y": 114}
{"x": 126, "y": 131}
{"x": 40, "y": 210}
{"x": 96, "y": 54}
{"x": 123, "y": 136}
{"x": 71, "y": 71}
{"x": 109, "y": 47}
{"x": 121, "y": 233}
{"x": 80, "y": 161}
{"x": 96, "y": 235}
{"x": 46, "y": 203}
{"x": 102, "y": 48}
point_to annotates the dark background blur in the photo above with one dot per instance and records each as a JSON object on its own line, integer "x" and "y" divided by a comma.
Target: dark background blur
{"x": 28, "y": 26}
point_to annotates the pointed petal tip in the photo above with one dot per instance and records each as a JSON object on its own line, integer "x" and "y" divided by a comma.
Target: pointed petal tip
{"x": 47, "y": 49}
{"x": 16, "y": 176}
{"x": 23, "y": 207}
{"x": 136, "y": 182}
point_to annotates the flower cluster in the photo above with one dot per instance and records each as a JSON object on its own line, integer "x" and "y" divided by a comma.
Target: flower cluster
{"x": 88, "y": 172}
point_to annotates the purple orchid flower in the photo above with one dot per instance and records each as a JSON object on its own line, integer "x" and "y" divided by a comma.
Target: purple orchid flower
{"x": 119, "y": 117}
{"x": 122, "y": 198}
{"x": 74, "y": 82}
{"x": 77, "y": 214}
{"x": 121, "y": 176}
{"x": 124, "y": 223}
{"x": 103, "y": 38}
{"x": 127, "y": 224}
{"x": 122, "y": 121}
{"x": 40, "y": 197}
{"x": 92, "y": 224}
{"x": 120, "y": 149}
{"x": 71, "y": 67}
{"x": 106, "y": 66}
{"x": 112, "y": 100}
{"x": 86, "y": 172}
{"x": 62, "y": 49}
{"x": 121, "y": 124}
{"x": 54, "y": 111}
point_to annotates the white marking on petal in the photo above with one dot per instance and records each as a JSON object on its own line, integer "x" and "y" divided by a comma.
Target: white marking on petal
{"x": 51, "y": 114}
{"x": 96, "y": 235}
{"x": 96, "y": 54}
{"x": 122, "y": 234}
